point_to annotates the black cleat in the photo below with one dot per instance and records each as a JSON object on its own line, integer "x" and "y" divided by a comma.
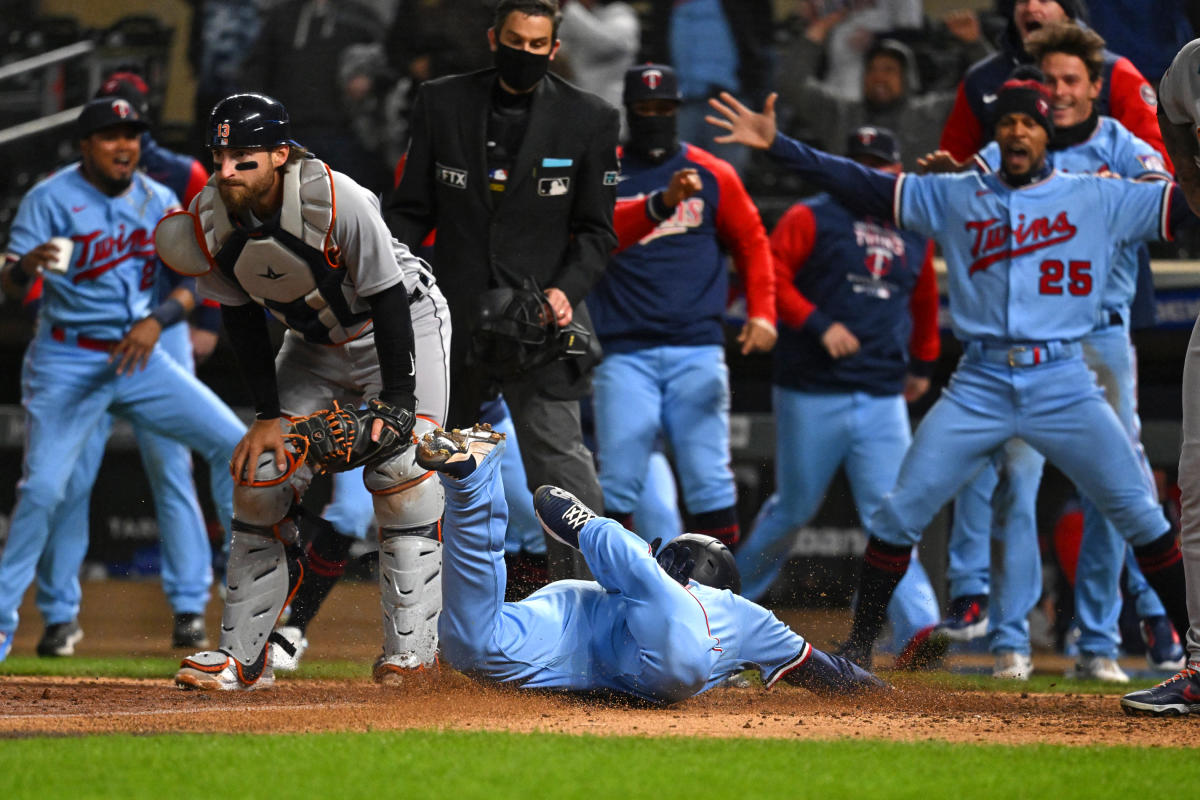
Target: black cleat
{"x": 60, "y": 639}
{"x": 561, "y": 513}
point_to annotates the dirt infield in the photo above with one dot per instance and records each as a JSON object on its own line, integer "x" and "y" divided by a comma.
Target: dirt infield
{"x": 132, "y": 618}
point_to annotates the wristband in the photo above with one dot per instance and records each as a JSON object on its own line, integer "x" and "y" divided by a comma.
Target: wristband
{"x": 168, "y": 312}
{"x": 657, "y": 207}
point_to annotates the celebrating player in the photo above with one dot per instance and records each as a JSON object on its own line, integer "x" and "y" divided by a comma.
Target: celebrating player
{"x": 277, "y": 228}
{"x": 1028, "y": 256}
{"x": 660, "y": 632}
{"x": 96, "y": 350}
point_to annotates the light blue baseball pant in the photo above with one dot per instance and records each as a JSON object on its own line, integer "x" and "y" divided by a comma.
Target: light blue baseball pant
{"x": 645, "y": 635}
{"x": 1012, "y": 517}
{"x": 1102, "y": 551}
{"x": 816, "y": 433}
{"x": 67, "y": 392}
{"x": 680, "y": 392}
{"x": 1056, "y": 407}
{"x": 186, "y": 552}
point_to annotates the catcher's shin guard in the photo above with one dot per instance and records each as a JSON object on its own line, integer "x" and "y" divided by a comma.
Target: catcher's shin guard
{"x": 260, "y": 578}
{"x": 408, "y": 506}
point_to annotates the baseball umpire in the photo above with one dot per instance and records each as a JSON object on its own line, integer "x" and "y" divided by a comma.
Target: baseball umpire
{"x": 278, "y": 228}
{"x": 1028, "y": 253}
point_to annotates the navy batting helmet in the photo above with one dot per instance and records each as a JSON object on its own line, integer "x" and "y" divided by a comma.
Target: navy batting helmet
{"x": 701, "y": 558}
{"x": 249, "y": 120}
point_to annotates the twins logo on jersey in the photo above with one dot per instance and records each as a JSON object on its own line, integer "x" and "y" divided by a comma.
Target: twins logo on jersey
{"x": 109, "y": 251}
{"x": 882, "y": 245}
{"x": 994, "y": 238}
{"x": 688, "y": 214}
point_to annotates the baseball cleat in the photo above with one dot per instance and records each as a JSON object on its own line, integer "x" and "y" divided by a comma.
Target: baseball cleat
{"x": 1164, "y": 651}
{"x": 926, "y": 650}
{"x": 1012, "y": 666}
{"x": 1097, "y": 668}
{"x": 1177, "y": 695}
{"x": 60, "y": 639}
{"x": 968, "y": 618}
{"x": 188, "y": 632}
{"x": 402, "y": 669}
{"x": 217, "y": 671}
{"x": 285, "y": 647}
{"x": 457, "y": 453}
{"x": 6, "y": 640}
{"x": 561, "y": 513}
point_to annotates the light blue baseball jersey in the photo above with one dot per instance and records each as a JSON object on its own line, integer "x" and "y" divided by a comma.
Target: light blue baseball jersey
{"x": 1029, "y": 264}
{"x": 1111, "y": 148}
{"x": 112, "y": 278}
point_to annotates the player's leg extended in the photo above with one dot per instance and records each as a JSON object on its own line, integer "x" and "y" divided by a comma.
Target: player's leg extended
{"x": 1189, "y": 487}
{"x": 58, "y": 591}
{"x": 969, "y": 543}
{"x": 473, "y": 570}
{"x": 1102, "y": 550}
{"x": 668, "y": 624}
{"x": 812, "y": 436}
{"x": 65, "y": 391}
{"x": 657, "y": 513}
{"x": 628, "y": 407}
{"x": 408, "y": 503}
{"x": 695, "y": 414}
{"x": 1017, "y": 569}
{"x": 1069, "y": 421}
{"x": 880, "y": 436}
{"x": 972, "y": 417}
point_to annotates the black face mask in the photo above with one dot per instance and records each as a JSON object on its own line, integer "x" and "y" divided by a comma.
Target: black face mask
{"x": 652, "y": 137}
{"x": 519, "y": 69}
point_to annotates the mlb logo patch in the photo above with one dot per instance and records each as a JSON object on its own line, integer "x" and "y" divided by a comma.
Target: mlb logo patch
{"x": 456, "y": 178}
{"x": 553, "y": 187}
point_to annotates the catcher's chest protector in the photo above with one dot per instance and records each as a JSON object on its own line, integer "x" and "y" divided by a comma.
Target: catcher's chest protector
{"x": 289, "y": 264}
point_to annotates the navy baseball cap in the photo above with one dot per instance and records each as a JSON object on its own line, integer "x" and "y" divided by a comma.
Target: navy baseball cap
{"x": 870, "y": 140}
{"x": 108, "y": 112}
{"x": 651, "y": 82}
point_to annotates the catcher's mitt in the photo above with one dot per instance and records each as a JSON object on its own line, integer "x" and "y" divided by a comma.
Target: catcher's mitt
{"x": 339, "y": 438}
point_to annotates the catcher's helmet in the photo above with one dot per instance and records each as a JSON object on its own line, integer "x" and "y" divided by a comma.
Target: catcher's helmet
{"x": 514, "y": 330}
{"x": 704, "y": 559}
{"x": 249, "y": 120}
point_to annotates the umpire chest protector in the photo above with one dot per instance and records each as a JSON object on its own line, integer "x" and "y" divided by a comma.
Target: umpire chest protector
{"x": 288, "y": 264}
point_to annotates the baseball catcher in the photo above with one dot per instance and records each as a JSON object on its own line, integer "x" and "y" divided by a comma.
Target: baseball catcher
{"x": 367, "y": 335}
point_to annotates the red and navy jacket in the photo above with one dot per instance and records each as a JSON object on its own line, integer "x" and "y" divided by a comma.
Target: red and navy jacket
{"x": 1124, "y": 95}
{"x": 834, "y": 266}
{"x": 672, "y": 286}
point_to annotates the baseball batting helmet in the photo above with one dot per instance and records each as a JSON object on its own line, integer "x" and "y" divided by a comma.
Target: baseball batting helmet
{"x": 249, "y": 120}
{"x": 701, "y": 558}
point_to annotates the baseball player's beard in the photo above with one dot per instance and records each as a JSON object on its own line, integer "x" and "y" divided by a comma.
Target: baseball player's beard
{"x": 239, "y": 198}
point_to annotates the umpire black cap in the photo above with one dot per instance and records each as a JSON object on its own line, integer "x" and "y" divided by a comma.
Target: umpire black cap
{"x": 249, "y": 120}
{"x": 651, "y": 82}
{"x": 873, "y": 141}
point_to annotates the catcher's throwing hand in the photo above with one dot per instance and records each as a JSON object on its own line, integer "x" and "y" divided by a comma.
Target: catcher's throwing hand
{"x": 745, "y": 126}
{"x": 341, "y": 438}
{"x": 263, "y": 435}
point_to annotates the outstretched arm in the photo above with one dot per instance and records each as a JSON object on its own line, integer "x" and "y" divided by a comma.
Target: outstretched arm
{"x": 862, "y": 190}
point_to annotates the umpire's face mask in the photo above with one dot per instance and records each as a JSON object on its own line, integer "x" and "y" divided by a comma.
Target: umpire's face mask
{"x": 652, "y": 136}
{"x": 520, "y": 69}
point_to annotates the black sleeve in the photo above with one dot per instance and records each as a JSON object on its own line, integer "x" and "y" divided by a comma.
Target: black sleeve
{"x": 247, "y": 329}
{"x": 394, "y": 344}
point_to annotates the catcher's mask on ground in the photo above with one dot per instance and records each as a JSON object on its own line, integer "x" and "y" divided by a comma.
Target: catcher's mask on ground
{"x": 516, "y": 332}
{"x": 704, "y": 559}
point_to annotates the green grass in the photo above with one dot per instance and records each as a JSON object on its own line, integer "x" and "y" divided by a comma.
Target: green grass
{"x": 127, "y": 667}
{"x": 418, "y": 764}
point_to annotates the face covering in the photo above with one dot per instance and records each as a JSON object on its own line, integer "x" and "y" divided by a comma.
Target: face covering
{"x": 653, "y": 137}
{"x": 519, "y": 69}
